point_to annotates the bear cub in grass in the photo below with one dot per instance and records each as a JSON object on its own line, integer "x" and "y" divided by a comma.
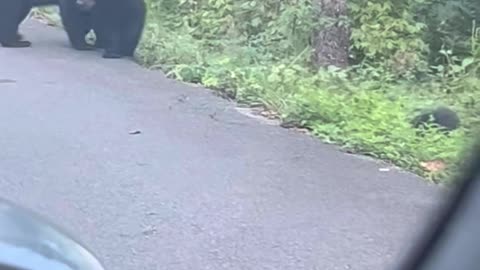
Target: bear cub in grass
{"x": 443, "y": 117}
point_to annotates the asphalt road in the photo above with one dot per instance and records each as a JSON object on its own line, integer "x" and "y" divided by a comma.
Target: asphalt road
{"x": 201, "y": 186}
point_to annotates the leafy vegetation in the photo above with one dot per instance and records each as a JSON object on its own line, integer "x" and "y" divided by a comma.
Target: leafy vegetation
{"x": 405, "y": 55}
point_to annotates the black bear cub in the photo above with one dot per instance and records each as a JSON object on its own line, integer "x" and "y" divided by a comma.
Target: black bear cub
{"x": 445, "y": 118}
{"x": 119, "y": 22}
{"x": 12, "y": 13}
{"x": 78, "y": 21}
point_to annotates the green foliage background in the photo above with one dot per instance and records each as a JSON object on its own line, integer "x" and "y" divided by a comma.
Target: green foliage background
{"x": 405, "y": 55}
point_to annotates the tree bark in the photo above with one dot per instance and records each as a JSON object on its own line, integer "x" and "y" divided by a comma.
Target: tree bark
{"x": 331, "y": 42}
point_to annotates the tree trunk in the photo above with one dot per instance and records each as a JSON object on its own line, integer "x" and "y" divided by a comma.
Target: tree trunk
{"x": 331, "y": 42}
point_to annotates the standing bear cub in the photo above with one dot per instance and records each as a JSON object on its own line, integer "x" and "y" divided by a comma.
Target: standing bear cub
{"x": 78, "y": 22}
{"x": 119, "y": 23}
{"x": 12, "y": 13}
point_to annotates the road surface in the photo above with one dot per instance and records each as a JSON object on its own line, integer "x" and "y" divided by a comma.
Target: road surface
{"x": 154, "y": 174}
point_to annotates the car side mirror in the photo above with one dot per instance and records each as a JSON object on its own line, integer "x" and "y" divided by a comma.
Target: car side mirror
{"x": 29, "y": 242}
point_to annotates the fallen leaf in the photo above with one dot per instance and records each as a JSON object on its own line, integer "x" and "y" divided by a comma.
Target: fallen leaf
{"x": 433, "y": 166}
{"x": 7, "y": 81}
{"x": 135, "y": 132}
{"x": 269, "y": 114}
{"x": 150, "y": 230}
{"x": 302, "y": 130}
{"x": 182, "y": 98}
